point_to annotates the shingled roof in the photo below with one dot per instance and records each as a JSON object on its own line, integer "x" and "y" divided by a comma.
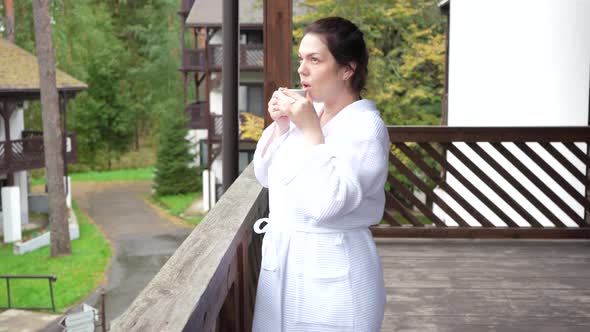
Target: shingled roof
{"x": 19, "y": 73}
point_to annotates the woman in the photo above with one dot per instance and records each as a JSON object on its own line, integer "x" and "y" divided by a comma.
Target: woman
{"x": 325, "y": 167}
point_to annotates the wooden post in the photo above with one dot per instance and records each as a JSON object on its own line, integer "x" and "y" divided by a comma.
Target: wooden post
{"x": 278, "y": 31}
{"x": 230, "y": 92}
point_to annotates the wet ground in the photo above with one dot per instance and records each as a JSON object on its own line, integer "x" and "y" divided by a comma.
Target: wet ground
{"x": 142, "y": 239}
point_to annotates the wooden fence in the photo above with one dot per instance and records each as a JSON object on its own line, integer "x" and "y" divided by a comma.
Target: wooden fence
{"x": 28, "y": 153}
{"x": 528, "y": 182}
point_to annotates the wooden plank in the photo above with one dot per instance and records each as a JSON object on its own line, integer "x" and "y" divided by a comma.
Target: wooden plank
{"x": 387, "y": 216}
{"x": 516, "y": 184}
{"x": 565, "y": 163}
{"x": 443, "y": 134}
{"x": 482, "y": 232}
{"x": 486, "y": 285}
{"x": 398, "y": 205}
{"x": 583, "y": 157}
{"x": 554, "y": 174}
{"x": 473, "y": 189}
{"x": 540, "y": 184}
{"x": 427, "y": 191}
{"x": 494, "y": 186}
{"x": 415, "y": 201}
{"x": 416, "y": 159}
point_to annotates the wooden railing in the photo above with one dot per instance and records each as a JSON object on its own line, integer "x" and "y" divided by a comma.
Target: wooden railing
{"x": 488, "y": 182}
{"x": 28, "y": 153}
{"x": 209, "y": 284}
{"x": 251, "y": 58}
{"x": 198, "y": 115}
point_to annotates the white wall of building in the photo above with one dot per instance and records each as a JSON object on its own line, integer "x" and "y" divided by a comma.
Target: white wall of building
{"x": 518, "y": 63}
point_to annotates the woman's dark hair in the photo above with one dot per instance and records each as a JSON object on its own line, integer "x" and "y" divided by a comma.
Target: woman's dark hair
{"x": 347, "y": 45}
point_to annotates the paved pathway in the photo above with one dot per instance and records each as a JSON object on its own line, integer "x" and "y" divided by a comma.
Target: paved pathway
{"x": 142, "y": 239}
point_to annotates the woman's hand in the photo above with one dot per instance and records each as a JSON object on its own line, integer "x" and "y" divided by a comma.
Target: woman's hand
{"x": 301, "y": 112}
{"x": 278, "y": 112}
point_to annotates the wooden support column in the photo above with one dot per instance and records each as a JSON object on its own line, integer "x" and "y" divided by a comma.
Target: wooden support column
{"x": 230, "y": 92}
{"x": 6, "y": 114}
{"x": 278, "y": 32}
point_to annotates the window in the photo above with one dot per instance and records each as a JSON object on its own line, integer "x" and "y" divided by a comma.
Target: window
{"x": 250, "y": 99}
{"x": 251, "y": 37}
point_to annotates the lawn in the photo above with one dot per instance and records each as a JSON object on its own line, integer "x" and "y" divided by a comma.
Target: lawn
{"x": 139, "y": 174}
{"x": 77, "y": 275}
{"x": 177, "y": 204}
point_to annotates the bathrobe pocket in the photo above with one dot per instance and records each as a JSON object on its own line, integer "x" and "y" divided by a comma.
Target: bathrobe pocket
{"x": 324, "y": 293}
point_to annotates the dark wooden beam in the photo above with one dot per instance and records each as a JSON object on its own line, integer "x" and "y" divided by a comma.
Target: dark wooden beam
{"x": 278, "y": 31}
{"x": 230, "y": 92}
{"x": 482, "y": 232}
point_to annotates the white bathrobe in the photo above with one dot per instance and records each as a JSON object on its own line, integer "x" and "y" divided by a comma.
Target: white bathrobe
{"x": 320, "y": 268}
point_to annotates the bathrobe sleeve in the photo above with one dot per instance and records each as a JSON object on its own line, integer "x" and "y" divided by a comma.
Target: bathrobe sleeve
{"x": 263, "y": 162}
{"x": 332, "y": 179}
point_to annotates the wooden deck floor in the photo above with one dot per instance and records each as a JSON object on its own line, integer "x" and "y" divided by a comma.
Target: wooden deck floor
{"x": 486, "y": 285}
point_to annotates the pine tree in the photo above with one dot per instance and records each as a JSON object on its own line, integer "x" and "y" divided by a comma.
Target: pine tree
{"x": 174, "y": 175}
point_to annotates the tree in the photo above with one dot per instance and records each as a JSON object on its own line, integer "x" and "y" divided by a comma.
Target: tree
{"x": 173, "y": 172}
{"x": 9, "y": 22}
{"x": 52, "y": 133}
{"x": 406, "y": 45}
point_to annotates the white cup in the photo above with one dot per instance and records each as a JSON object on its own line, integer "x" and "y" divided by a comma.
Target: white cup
{"x": 300, "y": 92}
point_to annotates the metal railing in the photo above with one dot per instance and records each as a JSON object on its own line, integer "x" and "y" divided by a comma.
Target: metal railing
{"x": 50, "y": 279}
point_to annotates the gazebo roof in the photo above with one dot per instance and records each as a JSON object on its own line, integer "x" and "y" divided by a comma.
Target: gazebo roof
{"x": 19, "y": 73}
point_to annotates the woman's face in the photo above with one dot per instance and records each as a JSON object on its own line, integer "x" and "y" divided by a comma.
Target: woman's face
{"x": 319, "y": 72}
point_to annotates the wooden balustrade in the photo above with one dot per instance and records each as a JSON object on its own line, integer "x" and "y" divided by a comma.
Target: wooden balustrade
{"x": 251, "y": 58}
{"x": 198, "y": 115}
{"x": 28, "y": 153}
{"x": 209, "y": 283}
{"x": 487, "y": 182}
{"x": 507, "y": 175}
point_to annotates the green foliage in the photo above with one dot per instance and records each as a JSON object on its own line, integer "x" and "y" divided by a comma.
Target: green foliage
{"x": 76, "y": 278}
{"x": 128, "y": 54}
{"x": 173, "y": 172}
{"x": 406, "y": 45}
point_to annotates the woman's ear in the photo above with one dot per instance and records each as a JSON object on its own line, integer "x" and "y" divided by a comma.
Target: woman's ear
{"x": 349, "y": 71}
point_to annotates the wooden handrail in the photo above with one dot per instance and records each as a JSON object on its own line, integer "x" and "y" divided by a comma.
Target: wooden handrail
{"x": 210, "y": 279}
{"x": 527, "y": 182}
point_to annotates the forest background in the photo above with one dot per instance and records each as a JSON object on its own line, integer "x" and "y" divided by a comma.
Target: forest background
{"x": 128, "y": 52}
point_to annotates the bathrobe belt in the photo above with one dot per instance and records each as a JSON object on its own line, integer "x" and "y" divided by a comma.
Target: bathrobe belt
{"x": 270, "y": 249}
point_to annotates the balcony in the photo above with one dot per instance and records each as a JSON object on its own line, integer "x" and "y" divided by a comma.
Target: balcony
{"x": 197, "y": 113}
{"x": 28, "y": 153}
{"x": 251, "y": 58}
{"x": 209, "y": 284}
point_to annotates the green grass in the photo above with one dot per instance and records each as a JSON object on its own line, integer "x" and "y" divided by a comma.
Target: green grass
{"x": 77, "y": 274}
{"x": 177, "y": 204}
{"x": 140, "y": 174}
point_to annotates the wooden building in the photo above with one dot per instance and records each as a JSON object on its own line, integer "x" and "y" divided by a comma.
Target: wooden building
{"x": 201, "y": 69}
{"x": 21, "y": 149}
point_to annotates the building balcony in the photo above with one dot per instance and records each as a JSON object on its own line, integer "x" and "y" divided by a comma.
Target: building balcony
{"x": 29, "y": 153}
{"x": 197, "y": 113}
{"x": 209, "y": 284}
{"x": 251, "y": 58}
